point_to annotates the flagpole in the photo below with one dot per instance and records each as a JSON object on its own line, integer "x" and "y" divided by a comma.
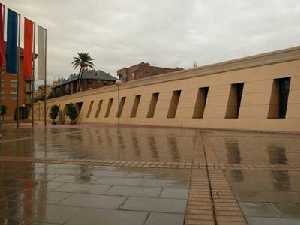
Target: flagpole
{"x": 18, "y": 71}
{"x": 1, "y": 69}
{"x": 33, "y": 79}
{"x": 45, "y": 88}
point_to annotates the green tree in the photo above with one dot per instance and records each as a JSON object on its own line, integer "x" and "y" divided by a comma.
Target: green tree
{"x": 71, "y": 112}
{"x": 84, "y": 62}
{"x": 54, "y": 113}
{"x": 3, "y": 110}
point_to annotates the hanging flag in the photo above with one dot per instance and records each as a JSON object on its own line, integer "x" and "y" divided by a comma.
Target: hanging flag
{"x": 2, "y": 48}
{"x": 27, "y": 53}
{"x": 42, "y": 53}
{"x": 11, "y": 49}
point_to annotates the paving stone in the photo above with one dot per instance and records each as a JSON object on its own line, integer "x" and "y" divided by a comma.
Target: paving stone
{"x": 55, "y": 214}
{"x": 55, "y": 197}
{"x": 107, "y": 217}
{"x": 134, "y": 191}
{"x": 155, "y": 204}
{"x": 272, "y": 221}
{"x": 83, "y": 188}
{"x": 165, "y": 219}
{"x": 288, "y": 209}
{"x": 94, "y": 201}
{"x": 121, "y": 181}
{"x": 174, "y": 193}
{"x": 259, "y": 209}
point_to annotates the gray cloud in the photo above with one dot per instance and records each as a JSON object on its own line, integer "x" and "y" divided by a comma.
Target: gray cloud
{"x": 171, "y": 33}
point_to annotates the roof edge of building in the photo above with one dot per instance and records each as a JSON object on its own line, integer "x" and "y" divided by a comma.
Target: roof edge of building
{"x": 263, "y": 59}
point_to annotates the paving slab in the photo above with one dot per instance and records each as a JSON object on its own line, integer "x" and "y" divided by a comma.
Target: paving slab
{"x": 174, "y": 193}
{"x": 291, "y": 210}
{"x": 94, "y": 201}
{"x": 135, "y": 191}
{"x": 259, "y": 209}
{"x": 83, "y": 188}
{"x": 165, "y": 219}
{"x": 107, "y": 217}
{"x": 155, "y": 205}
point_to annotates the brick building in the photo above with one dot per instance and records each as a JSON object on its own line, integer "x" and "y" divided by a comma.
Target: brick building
{"x": 9, "y": 91}
{"x": 142, "y": 70}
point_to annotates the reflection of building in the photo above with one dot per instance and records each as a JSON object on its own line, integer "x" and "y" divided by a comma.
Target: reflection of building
{"x": 142, "y": 70}
{"x": 88, "y": 80}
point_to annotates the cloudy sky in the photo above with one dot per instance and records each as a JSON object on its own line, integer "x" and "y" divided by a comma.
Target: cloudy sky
{"x": 168, "y": 33}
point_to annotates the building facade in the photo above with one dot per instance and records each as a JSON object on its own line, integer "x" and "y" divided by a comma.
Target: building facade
{"x": 88, "y": 80}
{"x": 260, "y": 92}
{"x": 9, "y": 83}
{"x": 142, "y": 70}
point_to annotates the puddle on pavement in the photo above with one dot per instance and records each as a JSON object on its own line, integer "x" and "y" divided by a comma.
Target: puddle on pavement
{"x": 267, "y": 196}
{"x": 65, "y": 194}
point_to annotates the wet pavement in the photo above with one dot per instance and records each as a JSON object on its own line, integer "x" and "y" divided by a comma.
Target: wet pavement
{"x": 262, "y": 171}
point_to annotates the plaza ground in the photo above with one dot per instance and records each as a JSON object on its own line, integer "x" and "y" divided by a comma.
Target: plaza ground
{"x": 96, "y": 174}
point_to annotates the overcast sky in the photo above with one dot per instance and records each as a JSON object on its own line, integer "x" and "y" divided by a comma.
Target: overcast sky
{"x": 167, "y": 33}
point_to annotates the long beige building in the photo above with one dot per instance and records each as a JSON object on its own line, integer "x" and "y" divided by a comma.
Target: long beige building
{"x": 260, "y": 92}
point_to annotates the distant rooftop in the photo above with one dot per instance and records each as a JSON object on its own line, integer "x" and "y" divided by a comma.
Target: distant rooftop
{"x": 88, "y": 75}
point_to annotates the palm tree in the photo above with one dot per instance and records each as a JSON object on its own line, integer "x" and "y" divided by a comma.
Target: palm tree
{"x": 85, "y": 62}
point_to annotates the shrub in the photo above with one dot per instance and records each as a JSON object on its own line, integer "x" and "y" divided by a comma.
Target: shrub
{"x": 54, "y": 113}
{"x": 71, "y": 112}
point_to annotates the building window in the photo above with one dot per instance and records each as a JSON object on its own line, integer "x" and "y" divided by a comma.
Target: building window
{"x": 79, "y": 106}
{"x": 234, "y": 101}
{"x": 135, "y": 106}
{"x": 90, "y": 109}
{"x": 121, "y": 106}
{"x": 110, "y": 102}
{"x": 279, "y": 98}
{"x": 99, "y": 108}
{"x": 174, "y": 104}
{"x": 200, "y": 103}
{"x": 152, "y": 105}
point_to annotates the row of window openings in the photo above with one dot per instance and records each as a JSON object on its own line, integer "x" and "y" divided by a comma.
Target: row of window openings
{"x": 277, "y": 107}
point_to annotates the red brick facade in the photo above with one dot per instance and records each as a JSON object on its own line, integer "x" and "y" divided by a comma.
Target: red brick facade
{"x": 9, "y": 92}
{"x": 142, "y": 70}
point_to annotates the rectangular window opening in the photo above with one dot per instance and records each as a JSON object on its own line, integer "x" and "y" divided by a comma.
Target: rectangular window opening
{"x": 200, "y": 103}
{"x": 90, "y": 109}
{"x": 110, "y": 102}
{"x": 121, "y": 106}
{"x": 174, "y": 104}
{"x": 79, "y": 106}
{"x": 135, "y": 106}
{"x": 279, "y": 98}
{"x": 234, "y": 101}
{"x": 99, "y": 108}
{"x": 152, "y": 105}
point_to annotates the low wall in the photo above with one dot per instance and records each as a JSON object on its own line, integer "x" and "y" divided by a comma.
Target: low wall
{"x": 256, "y": 73}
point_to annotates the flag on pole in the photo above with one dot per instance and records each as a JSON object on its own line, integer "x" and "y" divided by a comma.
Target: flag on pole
{"x": 2, "y": 48}
{"x": 27, "y": 61}
{"x": 11, "y": 49}
{"x": 42, "y": 53}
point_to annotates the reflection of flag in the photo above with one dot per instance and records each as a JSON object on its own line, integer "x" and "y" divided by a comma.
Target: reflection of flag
{"x": 42, "y": 53}
{"x": 11, "y": 50}
{"x": 2, "y": 49}
{"x": 27, "y": 61}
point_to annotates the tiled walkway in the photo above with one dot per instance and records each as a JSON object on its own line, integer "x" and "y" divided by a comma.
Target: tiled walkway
{"x": 148, "y": 176}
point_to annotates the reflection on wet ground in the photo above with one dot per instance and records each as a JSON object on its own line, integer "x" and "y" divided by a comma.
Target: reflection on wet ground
{"x": 65, "y": 194}
{"x": 262, "y": 169}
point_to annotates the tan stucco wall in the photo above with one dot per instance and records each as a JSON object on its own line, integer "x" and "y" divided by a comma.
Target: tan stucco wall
{"x": 257, "y": 74}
